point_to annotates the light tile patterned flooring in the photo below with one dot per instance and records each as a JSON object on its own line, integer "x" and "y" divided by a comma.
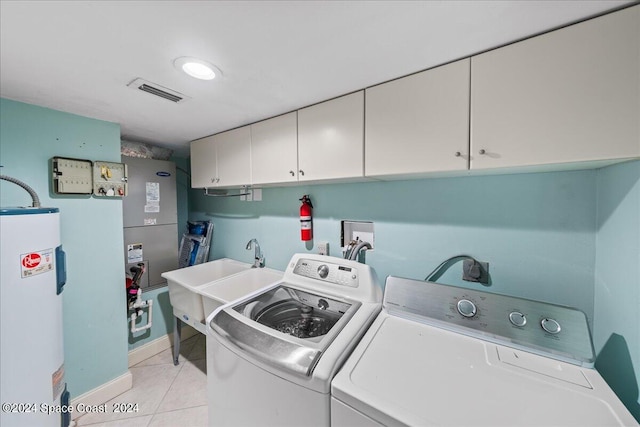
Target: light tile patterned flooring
{"x": 166, "y": 395}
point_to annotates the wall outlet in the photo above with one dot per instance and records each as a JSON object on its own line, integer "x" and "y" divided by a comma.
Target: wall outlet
{"x": 323, "y": 248}
{"x": 475, "y": 271}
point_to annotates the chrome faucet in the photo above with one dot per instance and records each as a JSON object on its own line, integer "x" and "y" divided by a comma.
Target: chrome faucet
{"x": 258, "y": 261}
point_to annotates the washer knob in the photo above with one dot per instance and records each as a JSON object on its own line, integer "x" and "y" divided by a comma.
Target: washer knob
{"x": 550, "y": 325}
{"x": 323, "y": 271}
{"x": 517, "y": 318}
{"x": 467, "y": 308}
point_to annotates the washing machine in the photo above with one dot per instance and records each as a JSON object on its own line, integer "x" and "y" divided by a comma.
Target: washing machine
{"x": 449, "y": 356}
{"x": 271, "y": 355}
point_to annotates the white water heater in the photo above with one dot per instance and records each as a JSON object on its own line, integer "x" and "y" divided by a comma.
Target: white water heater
{"x": 33, "y": 387}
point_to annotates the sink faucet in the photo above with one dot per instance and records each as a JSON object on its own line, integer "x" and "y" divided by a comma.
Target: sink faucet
{"x": 258, "y": 261}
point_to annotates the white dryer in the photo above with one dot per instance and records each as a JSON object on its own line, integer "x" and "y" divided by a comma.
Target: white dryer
{"x": 271, "y": 356}
{"x": 440, "y": 355}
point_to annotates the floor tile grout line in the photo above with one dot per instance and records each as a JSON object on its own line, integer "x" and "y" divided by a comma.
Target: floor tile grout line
{"x": 182, "y": 365}
{"x": 152, "y": 415}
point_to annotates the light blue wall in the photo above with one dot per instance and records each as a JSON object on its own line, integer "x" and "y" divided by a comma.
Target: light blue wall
{"x": 162, "y": 310}
{"x": 617, "y": 281}
{"x": 95, "y": 330}
{"x": 535, "y": 230}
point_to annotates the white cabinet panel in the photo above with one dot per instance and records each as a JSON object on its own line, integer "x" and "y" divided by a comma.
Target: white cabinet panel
{"x": 233, "y": 149}
{"x": 566, "y": 96}
{"x": 419, "y": 123}
{"x": 331, "y": 139}
{"x": 203, "y": 163}
{"x": 274, "y": 150}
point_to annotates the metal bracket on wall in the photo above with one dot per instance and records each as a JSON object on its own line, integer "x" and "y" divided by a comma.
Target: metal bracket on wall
{"x": 219, "y": 192}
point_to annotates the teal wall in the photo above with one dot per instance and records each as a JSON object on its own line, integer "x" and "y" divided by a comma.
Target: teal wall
{"x": 162, "y": 311}
{"x": 535, "y": 230}
{"x": 95, "y": 330}
{"x": 617, "y": 281}
{"x": 569, "y": 238}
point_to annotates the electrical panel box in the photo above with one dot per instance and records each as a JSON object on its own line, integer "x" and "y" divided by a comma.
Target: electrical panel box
{"x": 109, "y": 179}
{"x": 72, "y": 176}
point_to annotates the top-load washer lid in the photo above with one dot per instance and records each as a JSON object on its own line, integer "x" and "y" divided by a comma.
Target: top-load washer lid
{"x": 284, "y": 326}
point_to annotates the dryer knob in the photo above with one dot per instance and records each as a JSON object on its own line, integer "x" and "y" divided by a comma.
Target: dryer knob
{"x": 550, "y": 325}
{"x": 467, "y": 308}
{"x": 517, "y": 319}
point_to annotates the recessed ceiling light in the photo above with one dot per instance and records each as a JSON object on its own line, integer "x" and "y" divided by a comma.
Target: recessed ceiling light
{"x": 197, "y": 68}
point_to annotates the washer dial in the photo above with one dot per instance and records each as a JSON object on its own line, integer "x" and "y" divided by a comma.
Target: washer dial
{"x": 323, "y": 271}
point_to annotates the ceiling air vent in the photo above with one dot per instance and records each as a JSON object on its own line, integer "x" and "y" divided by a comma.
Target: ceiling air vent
{"x": 157, "y": 90}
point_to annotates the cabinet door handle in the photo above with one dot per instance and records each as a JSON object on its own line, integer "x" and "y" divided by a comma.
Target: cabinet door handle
{"x": 482, "y": 151}
{"x": 292, "y": 173}
{"x": 458, "y": 154}
{"x": 301, "y": 172}
{"x": 217, "y": 179}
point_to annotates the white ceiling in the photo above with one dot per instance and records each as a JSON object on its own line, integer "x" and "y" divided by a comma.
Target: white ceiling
{"x": 276, "y": 56}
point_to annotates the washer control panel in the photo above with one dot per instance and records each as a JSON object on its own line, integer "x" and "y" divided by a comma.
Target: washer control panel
{"x": 557, "y": 331}
{"x": 327, "y": 271}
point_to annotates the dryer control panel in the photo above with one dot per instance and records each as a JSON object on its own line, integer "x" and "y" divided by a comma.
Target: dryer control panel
{"x": 552, "y": 330}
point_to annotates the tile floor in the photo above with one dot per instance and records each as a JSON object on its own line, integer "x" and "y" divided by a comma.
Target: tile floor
{"x": 166, "y": 395}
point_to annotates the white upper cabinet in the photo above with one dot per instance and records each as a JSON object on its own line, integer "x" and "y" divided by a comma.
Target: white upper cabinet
{"x": 204, "y": 171}
{"x": 222, "y": 160}
{"x": 274, "y": 150}
{"x": 419, "y": 123}
{"x": 566, "y": 96}
{"x": 233, "y": 152}
{"x": 331, "y": 139}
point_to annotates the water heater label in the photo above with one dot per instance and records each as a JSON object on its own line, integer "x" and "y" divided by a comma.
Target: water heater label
{"x": 34, "y": 263}
{"x": 57, "y": 382}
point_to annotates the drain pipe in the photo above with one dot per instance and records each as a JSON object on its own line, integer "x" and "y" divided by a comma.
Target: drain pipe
{"x": 34, "y": 197}
{"x": 137, "y": 311}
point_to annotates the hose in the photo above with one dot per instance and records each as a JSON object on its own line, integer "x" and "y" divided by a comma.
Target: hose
{"x": 360, "y": 246}
{"x": 34, "y": 197}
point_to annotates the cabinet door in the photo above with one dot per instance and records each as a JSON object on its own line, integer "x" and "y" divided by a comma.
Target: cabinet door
{"x": 204, "y": 172}
{"x": 274, "y": 150}
{"x": 331, "y": 139}
{"x": 419, "y": 123}
{"x": 233, "y": 149}
{"x": 566, "y": 96}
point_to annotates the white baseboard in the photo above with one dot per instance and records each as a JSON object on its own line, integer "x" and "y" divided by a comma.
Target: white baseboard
{"x": 158, "y": 345}
{"x": 104, "y": 393}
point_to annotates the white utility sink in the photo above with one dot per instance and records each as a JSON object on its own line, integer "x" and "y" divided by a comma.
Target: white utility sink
{"x": 183, "y": 284}
{"x": 232, "y": 288}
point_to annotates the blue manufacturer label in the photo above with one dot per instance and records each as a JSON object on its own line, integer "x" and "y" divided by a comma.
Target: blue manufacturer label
{"x": 162, "y": 173}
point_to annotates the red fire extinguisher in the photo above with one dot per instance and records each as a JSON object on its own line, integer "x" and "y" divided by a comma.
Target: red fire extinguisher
{"x": 306, "y": 228}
